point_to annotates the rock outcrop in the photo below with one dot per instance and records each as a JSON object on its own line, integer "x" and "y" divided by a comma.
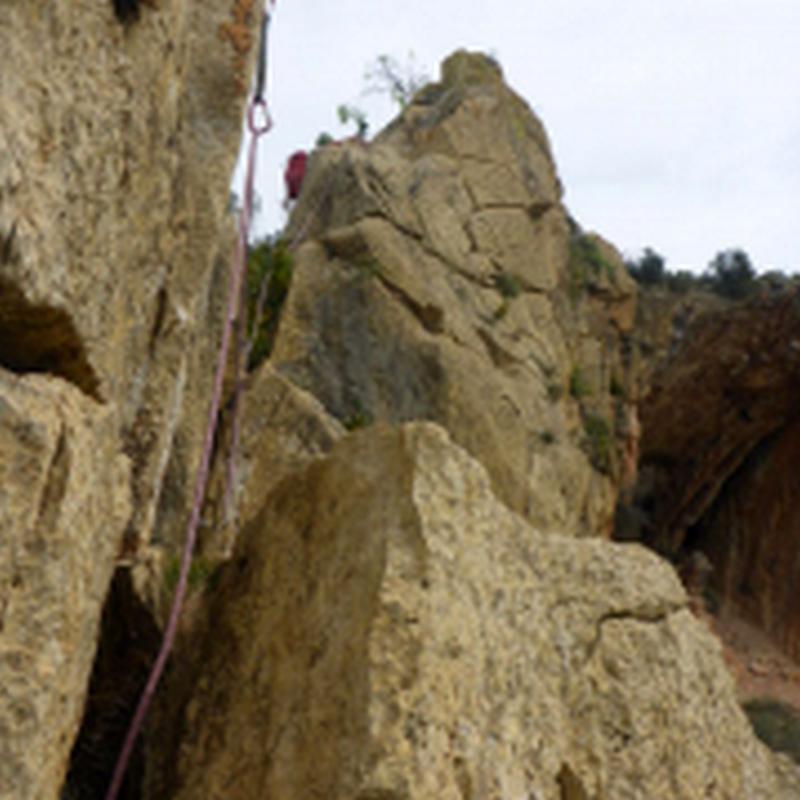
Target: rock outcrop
{"x": 719, "y": 440}
{"x": 389, "y": 629}
{"x": 441, "y": 278}
{"x": 118, "y": 135}
{"x": 419, "y": 609}
{"x": 65, "y": 502}
{"x": 401, "y": 618}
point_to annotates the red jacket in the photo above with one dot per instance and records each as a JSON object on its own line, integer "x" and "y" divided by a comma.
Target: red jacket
{"x": 294, "y": 174}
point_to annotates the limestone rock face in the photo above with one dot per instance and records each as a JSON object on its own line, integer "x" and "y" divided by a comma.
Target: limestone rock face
{"x": 389, "y": 629}
{"x": 441, "y": 278}
{"x": 282, "y": 429}
{"x": 64, "y": 500}
{"x": 117, "y": 141}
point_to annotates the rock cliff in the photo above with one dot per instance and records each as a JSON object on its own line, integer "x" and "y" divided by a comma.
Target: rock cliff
{"x": 118, "y": 134}
{"x": 425, "y": 608}
{"x": 718, "y": 453}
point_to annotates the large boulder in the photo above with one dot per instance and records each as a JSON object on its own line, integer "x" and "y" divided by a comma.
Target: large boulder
{"x": 389, "y": 629}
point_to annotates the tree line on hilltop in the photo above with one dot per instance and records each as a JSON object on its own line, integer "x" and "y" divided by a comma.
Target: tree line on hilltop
{"x": 729, "y": 274}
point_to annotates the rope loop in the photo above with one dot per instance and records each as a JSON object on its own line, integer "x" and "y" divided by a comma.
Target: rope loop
{"x": 258, "y": 109}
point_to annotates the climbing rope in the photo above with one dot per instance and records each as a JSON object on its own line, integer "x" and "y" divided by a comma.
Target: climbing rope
{"x": 258, "y": 123}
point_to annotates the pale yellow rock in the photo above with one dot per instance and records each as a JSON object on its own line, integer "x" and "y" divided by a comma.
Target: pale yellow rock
{"x": 64, "y": 503}
{"x": 282, "y": 429}
{"x": 117, "y": 144}
{"x": 435, "y": 281}
{"x": 388, "y": 629}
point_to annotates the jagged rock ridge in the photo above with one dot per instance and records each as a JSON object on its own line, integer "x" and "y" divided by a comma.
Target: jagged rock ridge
{"x": 392, "y": 625}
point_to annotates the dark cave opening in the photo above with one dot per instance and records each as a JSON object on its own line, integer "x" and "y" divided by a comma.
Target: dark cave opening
{"x": 42, "y": 338}
{"x": 129, "y": 640}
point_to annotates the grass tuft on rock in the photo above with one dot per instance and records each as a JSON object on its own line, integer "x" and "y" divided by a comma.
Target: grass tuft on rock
{"x": 776, "y": 724}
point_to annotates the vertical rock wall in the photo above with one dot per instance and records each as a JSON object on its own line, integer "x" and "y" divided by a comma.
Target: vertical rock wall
{"x": 119, "y": 126}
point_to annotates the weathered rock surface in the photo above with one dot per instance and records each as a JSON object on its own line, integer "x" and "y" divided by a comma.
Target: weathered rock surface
{"x": 282, "y": 428}
{"x": 750, "y": 534}
{"x": 442, "y": 279}
{"x": 116, "y": 147}
{"x": 117, "y": 141}
{"x": 389, "y": 629}
{"x": 729, "y": 384}
{"x": 64, "y": 501}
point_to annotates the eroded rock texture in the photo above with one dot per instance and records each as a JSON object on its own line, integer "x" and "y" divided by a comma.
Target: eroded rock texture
{"x": 719, "y": 454}
{"x": 64, "y": 502}
{"x": 118, "y": 133}
{"x": 730, "y": 385}
{"x": 390, "y": 629}
{"x": 441, "y": 278}
{"x": 392, "y": 624}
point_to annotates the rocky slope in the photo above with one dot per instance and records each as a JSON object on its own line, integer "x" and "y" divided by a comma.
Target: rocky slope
{"x": 423, "y": 608}
{"x": 399, "y": 620}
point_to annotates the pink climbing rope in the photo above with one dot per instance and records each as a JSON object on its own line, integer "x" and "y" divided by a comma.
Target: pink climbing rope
{"x": 258, "y": 123}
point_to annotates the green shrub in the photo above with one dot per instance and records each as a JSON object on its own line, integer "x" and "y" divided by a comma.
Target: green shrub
{"x": 648, "y": 269}
{"x": 269, "y": 275}
{"x": 597, "y": 444}
{"x": 776, "y": 724}
{"x": 359, "y": 417}
{"x": 586, "y": 263}
{"x": 201, "y": 573}
{"x": 578, "y": 385}
{"x": 508, "y": 285}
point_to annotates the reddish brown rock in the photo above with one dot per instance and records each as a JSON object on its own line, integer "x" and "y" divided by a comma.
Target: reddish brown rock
{"x": 752, "y": 535}
{"x": 731, "y": 383}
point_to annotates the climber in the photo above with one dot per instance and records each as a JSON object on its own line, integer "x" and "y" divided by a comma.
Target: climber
{"x": 293, "y": 175}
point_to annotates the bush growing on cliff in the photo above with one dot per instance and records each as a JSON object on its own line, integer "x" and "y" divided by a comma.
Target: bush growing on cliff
{"x": 586, "y": 264}
{"x": 400, "y": 81}
{"x": 269, "y": 274}
{"x": 776, "y": 724}
{"x": 597, "y": 443}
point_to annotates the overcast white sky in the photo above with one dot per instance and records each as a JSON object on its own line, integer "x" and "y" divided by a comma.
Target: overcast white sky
{"x": 675, "y": 123}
